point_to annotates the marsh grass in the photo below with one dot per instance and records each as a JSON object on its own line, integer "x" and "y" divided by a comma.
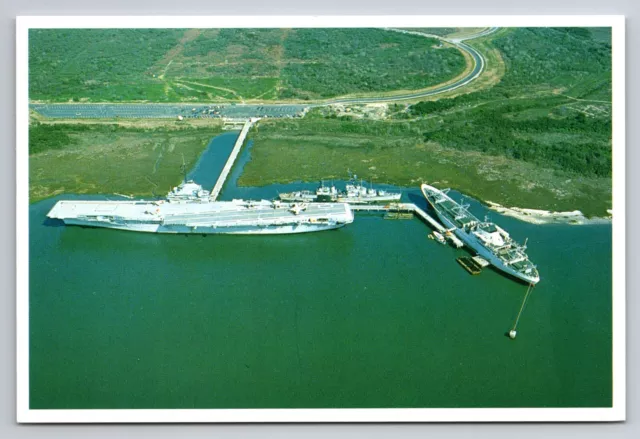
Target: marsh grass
{"x": 108, "y": 159}
{"x": 382, "y": 152}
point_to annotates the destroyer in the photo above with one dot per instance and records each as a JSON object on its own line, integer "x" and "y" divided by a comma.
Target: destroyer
{"x": 360, "y": 194}
{"x": 354, "y": 193}
{"x": 322, "y": 194}
{"x": 188, "y": 209}
{"x": 486, "y": 238}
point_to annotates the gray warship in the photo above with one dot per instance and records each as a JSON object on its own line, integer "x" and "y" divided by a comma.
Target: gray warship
{"x": 188, "y": 208}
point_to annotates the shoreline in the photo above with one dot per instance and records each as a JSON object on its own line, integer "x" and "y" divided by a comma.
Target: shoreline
{"x": 531, "y": 216}
{"x": 538, "y": 216}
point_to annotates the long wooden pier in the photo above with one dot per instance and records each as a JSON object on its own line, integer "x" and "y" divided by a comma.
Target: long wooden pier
{"x": 232, "y": 158}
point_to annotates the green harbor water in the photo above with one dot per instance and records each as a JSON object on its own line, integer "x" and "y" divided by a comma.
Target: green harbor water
{"x": 370, "y": 315}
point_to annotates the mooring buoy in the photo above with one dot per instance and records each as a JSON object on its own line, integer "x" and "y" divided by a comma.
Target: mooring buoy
{"x": 512, "y": 334}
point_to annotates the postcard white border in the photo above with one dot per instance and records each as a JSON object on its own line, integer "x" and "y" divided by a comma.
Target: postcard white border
{"x": 26, "y": 415}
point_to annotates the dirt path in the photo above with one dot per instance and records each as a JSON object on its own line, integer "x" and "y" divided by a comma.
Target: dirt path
{"x": 228, "y": 90}
{"x": 167, "y": 59}
{"x": 585, "y": 100}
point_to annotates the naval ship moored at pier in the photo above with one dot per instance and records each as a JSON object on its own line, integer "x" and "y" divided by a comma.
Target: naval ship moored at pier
{"x": 189, "y": 209}
{"x": 354, "y": 193}
{"x": 487, "y": 239}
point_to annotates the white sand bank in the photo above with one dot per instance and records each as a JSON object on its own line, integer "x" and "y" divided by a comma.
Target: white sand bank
{"x": 537, "y": 216}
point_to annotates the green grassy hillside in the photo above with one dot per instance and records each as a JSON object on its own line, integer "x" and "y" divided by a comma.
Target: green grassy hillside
{"x": 552, "y": 107}
{"x": 99, "y": 64}
{"x": 169, "y": 65}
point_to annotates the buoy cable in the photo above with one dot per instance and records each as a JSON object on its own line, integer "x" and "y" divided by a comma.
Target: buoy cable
{"x": 512, "y": 333}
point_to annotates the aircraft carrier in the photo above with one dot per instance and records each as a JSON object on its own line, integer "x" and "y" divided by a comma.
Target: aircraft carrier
{"x": 188, "y": 209}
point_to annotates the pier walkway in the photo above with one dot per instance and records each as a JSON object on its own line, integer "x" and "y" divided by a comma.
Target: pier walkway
{"x": 401, "y": 207}
{"x": 232, "y": 158}
{"x": 410, "y": 207}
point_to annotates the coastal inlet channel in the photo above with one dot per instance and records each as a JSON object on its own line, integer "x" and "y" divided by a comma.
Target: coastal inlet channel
{"x": 370, "y": 315}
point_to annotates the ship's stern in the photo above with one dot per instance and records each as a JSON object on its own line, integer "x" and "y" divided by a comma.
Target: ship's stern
{"x": 348, "y": 214}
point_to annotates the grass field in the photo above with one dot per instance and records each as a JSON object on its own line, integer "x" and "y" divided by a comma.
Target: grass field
{"x": 551, "y": 110}
{"x": 108, "y": 158}
{"x": 171, "y": 65}
{"x": 394, "y": 153}
{"x": 96, "y": 64}
{"x": 534, "y": 132}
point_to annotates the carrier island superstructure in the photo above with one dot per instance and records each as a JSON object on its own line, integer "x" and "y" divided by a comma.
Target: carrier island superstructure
{"x": 189, "y": 208}
{"x": 485, "y": 238}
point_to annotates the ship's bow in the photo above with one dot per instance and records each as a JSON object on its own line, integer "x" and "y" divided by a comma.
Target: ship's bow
{"x": 57, "y": 211}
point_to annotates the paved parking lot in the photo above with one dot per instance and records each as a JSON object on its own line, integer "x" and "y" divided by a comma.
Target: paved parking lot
{"x": 167, "y": 111}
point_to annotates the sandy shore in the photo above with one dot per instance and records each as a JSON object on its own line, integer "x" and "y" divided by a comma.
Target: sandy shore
{"x": 536, "y": 216}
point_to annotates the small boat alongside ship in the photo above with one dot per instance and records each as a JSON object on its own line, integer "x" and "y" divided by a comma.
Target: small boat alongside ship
{"x": 470, "y": 265}
{"x": 492, "y": 243}
{"x": 439, "y": 237}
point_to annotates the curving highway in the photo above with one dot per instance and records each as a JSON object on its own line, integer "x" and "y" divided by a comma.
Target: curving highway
{"x": 232, "y": 111}
{"x": 478, "y": 67}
